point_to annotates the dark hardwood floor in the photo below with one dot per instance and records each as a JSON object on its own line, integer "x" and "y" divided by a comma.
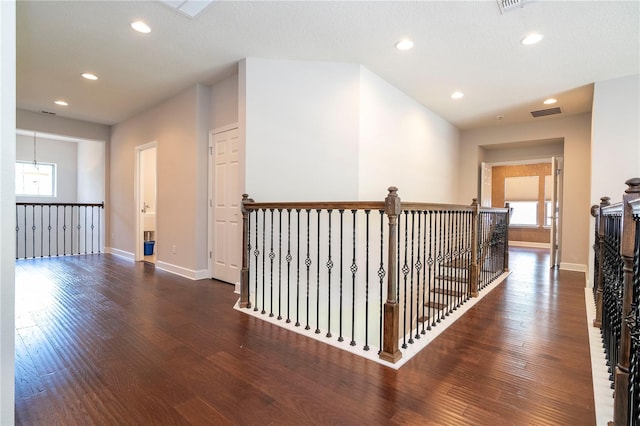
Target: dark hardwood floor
{"x": 103, "y": 341}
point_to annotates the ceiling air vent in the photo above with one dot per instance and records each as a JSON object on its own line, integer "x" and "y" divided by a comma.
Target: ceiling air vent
{"x": 545, "y": 112}
{"x": 48, "y": 112}
{"x": 507, "y": 5}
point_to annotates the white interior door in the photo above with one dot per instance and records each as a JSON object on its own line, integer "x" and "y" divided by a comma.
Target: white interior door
{"x": 224, "y": 206}
{"x": 556, "y": 193}
{"x": 485, "y": 185}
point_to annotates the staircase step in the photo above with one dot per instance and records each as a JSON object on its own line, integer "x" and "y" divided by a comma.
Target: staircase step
{"x": 435, "y": 305}
{"x": 458, "y": 263}
{"x": 448, "y": 291}
{"x": 451, "y": 278}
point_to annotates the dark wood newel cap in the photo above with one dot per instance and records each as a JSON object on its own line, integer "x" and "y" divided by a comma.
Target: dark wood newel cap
{"x": 604, "y": 201}
{"x": 393, "y": 190}
{"x": 594, "y": 210}
{"x": 633, "y": 186}
{"x": 474, "y": 201}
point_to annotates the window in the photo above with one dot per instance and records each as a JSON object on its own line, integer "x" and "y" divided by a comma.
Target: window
{"x": 35, "y": 179}
{"x": 525, "y": 213}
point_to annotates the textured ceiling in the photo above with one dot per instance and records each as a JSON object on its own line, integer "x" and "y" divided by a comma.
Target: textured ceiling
{"x": 466, "y": 46}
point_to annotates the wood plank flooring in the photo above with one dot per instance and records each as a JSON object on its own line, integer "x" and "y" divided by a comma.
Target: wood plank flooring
{"x": 103, "y": 341}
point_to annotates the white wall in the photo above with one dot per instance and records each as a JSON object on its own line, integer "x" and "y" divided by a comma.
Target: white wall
{"x": 615, "y": 141}
{"x": 403, "y": 144}
{"x": 615, "y": 137}
{"x": 575, "y": 131}
{"x": 224, "y": 102}
{"x": 7, "y": 208}
{"x": 179, "y": 126}
{"x": 91, "y": 172}
{"x": 301, "y": 129}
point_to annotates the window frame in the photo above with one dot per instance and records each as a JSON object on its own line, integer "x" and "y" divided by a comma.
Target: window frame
{"x": 53, "y": 175}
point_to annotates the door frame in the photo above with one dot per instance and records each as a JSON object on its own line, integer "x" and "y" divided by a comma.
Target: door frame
{"x": 138, "y": 190}
{"x": 211, "y": 220}
{"x": 560, "y": 160}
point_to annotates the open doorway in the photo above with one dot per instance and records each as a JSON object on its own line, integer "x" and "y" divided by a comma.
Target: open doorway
{"x": 146, "y": 202}
{"x": 528, "y": 175}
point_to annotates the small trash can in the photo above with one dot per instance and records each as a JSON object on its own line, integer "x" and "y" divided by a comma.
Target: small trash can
{"x": 148, "y": 247}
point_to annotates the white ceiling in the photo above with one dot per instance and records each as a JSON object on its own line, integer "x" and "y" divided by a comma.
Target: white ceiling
{"x": 468, "y": 46}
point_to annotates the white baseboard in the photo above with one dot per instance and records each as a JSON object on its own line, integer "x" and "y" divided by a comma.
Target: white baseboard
{"x": 528, "y": 244}
{"x": 183, "y": 272}
{"x": 237, "y": 288}
{"x": 577, "y": 267}
{"x": 120, "y": 253}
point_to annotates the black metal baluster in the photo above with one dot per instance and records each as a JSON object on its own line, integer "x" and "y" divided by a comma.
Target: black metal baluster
{"x": 430, "y": 317}
{"x": 405, "y": 272}
{"x": 381, "y": 275}
{"x": 25, "y": 232}
{"x": 33, "y": 230}
{"x": 256, "y": 254}
{"x": 298, "y": 271}
{"x": 411, "y": 275}
{"x": 289, "y": 259}
{"x": 248, "y": 254}
{"x": 440, "y": 258}
{"x": 85, "y": 230}
{"x": 354, "y": 269}
{"x": 279, "y": 264}
{"x": 366, "y": 280}
{"x": 17, "y": 232}
{"x": 340, "y": 337}
{"x": 418, "y": 266}
{"x": 100, "y": 210}
{"x": 264, "y": 300}
{"x": 329, "y": 267}
{"x": 307, "y": 262}
{"x": 318, "y": 211}
{"x": 424, "y": 273}
{"x": 79, "y": 228}
{"x": 272, "y": 256}
{"x": 450, "y": 281}
{"x": 41, "y": 231}
{"x": 93, "y": 214}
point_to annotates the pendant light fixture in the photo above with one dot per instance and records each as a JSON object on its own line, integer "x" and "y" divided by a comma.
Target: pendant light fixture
{"x": 35, "y": 162}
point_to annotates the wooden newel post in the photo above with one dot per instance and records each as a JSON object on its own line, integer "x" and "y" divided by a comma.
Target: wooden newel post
{"x": 244, "y": 273}
{"x": 596, "y": 211}
{"x": 475, "y": 271}
{"x": 506, "y": 237}
{"x": 390, "y": 351}
{"x": 627, "y": 242}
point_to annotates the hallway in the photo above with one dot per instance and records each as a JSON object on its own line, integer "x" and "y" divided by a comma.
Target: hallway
{"x": 101, "y": 340}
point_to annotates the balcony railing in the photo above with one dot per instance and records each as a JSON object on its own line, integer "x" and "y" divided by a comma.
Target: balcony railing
{"x": 378, "y": 274}
{"x": 58, "y": 229}
{"x": 617, "y": 295}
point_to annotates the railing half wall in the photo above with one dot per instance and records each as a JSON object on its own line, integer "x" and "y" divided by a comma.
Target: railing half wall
{"x": 378, "y": 274}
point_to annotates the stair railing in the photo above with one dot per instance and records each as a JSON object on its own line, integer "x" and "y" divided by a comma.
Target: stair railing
{"x": 617, "y": 290}
{"x": 58, "y": 229}
{"x": 378, "y": 273}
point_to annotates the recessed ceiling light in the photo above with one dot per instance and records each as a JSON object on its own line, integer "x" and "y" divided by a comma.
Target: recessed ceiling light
{"x": 457, "y": 95}
{"x": 89, "y": 76}
{"x": 61, "y": 102}
{"x": 404, "y": 44}
{"x": 550, "y": 101}
{"x": 140, "y": 27}
{"x": 531, "y": 39}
